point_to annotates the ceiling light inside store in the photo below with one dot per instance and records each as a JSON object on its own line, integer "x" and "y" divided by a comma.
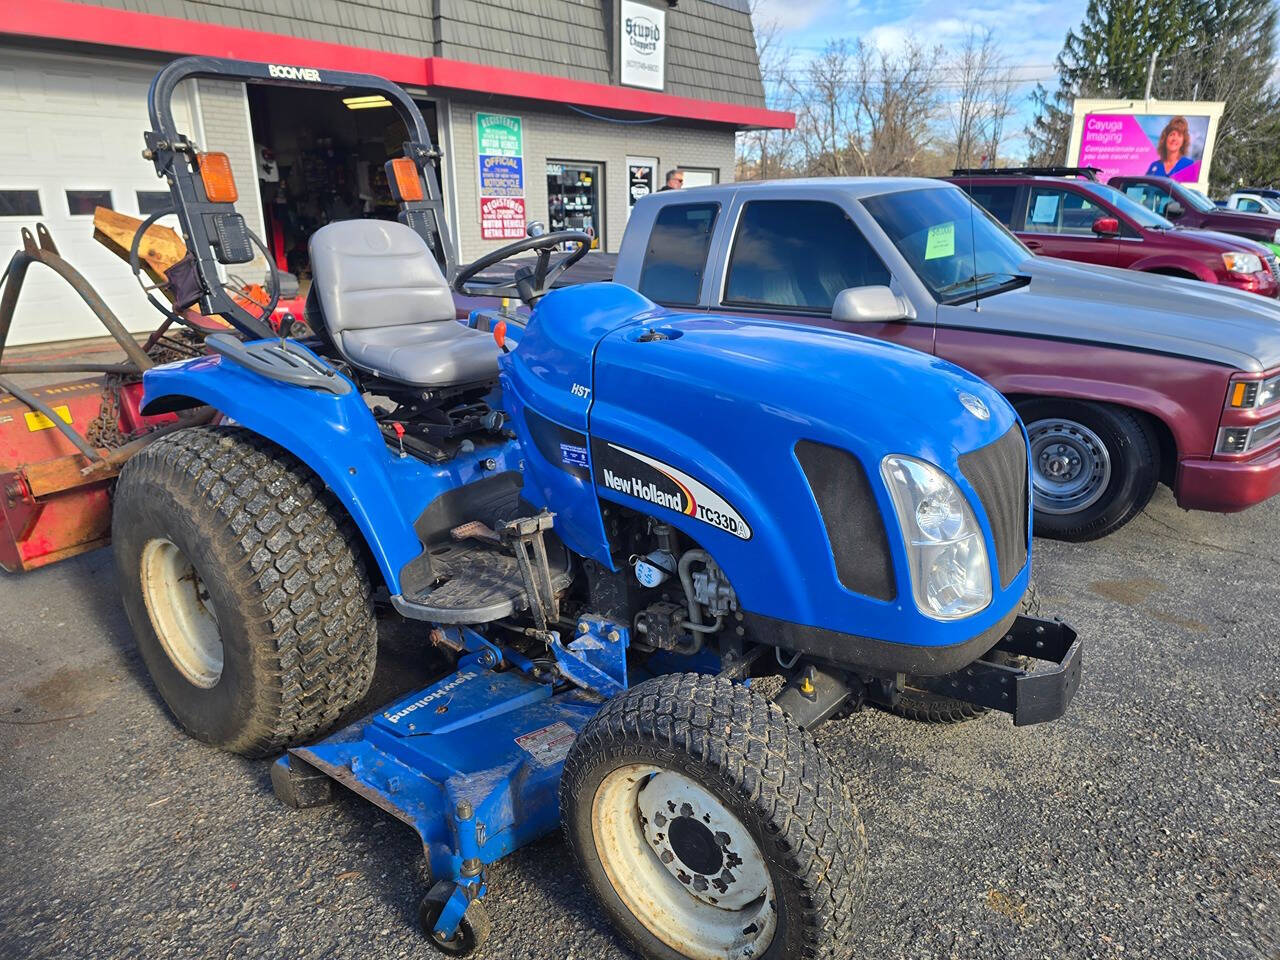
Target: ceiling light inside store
{"x": 366, "y": 103}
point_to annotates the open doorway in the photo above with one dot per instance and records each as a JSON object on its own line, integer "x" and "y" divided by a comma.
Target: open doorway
{"x": 320, "y": 159}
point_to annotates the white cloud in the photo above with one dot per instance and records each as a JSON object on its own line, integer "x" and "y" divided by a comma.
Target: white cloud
{"x": 789, "y": 14}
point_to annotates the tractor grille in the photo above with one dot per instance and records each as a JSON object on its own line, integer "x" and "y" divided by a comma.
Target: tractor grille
{"x": 855, "y": 529}
{"x": 998, "y": 472}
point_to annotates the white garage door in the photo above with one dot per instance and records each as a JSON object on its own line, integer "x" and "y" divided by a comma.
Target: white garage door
{"x": 71, "y": 138}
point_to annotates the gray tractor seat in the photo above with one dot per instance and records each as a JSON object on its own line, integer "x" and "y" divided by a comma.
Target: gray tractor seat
{"x": 388, "y": 308}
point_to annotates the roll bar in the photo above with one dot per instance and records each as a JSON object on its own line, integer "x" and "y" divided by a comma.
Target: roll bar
{"x": 215, "y": 233}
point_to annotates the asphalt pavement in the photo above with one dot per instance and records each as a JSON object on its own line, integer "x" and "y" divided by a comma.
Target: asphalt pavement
{"x": 1146, "y": 823}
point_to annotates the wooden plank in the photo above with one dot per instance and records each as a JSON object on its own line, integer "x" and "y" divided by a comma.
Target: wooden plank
{"x": 62, "y": 473}
{"x": 160, "y": 249}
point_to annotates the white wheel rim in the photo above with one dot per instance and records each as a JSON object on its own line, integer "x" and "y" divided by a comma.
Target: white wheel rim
{"x": 683, "y": 864}
{"x": 181, "y": 614}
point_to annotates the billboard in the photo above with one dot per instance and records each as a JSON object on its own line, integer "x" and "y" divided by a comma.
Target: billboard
{"x": 1145, "y": 138}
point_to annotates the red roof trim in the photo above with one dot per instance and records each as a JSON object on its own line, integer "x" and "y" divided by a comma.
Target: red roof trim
{"x": 82, "y": 23}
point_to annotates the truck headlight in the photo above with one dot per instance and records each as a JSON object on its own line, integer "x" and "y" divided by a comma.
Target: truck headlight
{"x": 1275, "y": 237}
{"x": 946, "y": 554}
{"x": 1242, "y": 262}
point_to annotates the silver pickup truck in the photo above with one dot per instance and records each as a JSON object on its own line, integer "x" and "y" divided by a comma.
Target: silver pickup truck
{"x": 1123, "y": 380}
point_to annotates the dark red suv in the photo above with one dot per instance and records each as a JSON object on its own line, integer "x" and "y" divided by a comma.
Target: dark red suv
{"x": 1063, "y": 212}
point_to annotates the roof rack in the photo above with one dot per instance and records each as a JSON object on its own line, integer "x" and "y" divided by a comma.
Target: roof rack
{"x": 1089, "y": 173}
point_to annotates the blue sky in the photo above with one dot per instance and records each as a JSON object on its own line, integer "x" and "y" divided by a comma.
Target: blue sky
{"x": 1030, "y": 32}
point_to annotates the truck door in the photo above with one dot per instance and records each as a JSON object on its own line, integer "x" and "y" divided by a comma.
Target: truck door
{"x": 788, "y": 259}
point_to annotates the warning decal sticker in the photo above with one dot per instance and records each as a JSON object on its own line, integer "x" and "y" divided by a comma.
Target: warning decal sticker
{"x": 548, "y": 745}
{"x": 637, "y": 475}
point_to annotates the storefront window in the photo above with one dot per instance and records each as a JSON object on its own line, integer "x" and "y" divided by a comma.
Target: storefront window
{"x": 573, "y": 198}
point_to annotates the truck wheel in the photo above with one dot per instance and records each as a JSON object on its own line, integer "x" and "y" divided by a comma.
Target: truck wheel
{"x": 1093, "y": 467}
{"x": 244, "y": 583}
{"x": 709, "y": 827}
{"x": 925, "y": 707}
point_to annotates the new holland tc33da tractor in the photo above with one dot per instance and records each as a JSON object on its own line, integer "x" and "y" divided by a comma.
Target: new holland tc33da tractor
{"x": 613, "y": 516}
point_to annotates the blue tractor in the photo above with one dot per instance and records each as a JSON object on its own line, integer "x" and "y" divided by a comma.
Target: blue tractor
{"x": 612, "y": 517}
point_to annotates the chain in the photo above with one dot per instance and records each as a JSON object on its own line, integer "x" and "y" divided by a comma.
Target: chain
{"x": 103, "y": 431}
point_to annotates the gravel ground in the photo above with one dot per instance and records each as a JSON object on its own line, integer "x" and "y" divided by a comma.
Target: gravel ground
{"x": 1146, "y": 823}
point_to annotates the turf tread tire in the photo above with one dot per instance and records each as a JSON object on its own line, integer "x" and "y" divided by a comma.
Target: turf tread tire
{"x": 742, "y": 746}
{"x": 286, "y": 560}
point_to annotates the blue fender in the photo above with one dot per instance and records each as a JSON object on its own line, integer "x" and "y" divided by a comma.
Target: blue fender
{"x": 338, "y": 439}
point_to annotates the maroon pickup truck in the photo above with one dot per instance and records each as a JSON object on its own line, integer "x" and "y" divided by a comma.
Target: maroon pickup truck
{"x": 1123, "y": 379}
{"x": 1077, "y": 218}
{"x": 1188, "y": 207}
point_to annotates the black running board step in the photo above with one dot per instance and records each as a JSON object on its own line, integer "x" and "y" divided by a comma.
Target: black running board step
{"x": 476, "y": 583}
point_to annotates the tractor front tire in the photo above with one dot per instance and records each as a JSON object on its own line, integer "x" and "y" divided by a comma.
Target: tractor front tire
{"x": 707, "y": 824}
{"x": 245, "y": 585}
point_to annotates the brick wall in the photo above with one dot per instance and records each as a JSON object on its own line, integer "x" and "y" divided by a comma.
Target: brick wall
{"x": 224, "y": 127}
{"x": 563, "y": 135}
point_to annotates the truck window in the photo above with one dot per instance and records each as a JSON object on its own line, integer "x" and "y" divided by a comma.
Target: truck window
{"x": 997, "y": 201}
{"x": 800, "y": 254}
{"x": 677, "y": 254}
{"x": 1148, "y": 196}
{"x": 1053, "y": 210}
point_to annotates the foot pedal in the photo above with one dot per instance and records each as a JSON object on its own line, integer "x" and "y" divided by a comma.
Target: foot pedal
{"x": 475, "y": 530}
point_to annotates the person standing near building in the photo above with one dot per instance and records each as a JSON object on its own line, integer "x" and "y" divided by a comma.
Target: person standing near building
{"x": 675, "y": 180}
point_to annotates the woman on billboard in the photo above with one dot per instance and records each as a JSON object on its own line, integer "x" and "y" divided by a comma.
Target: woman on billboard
{"x": 1175, "y": 142}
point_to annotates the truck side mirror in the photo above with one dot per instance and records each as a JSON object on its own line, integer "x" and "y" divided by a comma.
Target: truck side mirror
{"x": 877, "y": 304}
{"x": 1173, "y": 210}
{"x": 1106, "y": 227}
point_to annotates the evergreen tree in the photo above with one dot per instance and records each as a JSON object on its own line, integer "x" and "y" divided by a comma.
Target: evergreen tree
{"x": 1206, "y": 50}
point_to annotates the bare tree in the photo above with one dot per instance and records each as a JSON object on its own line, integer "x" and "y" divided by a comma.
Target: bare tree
{"x": 896, "y": 101}
{"x": 827, "y": 110}
{"x": 767, "y": 154}
{"x": 984, "y": 101}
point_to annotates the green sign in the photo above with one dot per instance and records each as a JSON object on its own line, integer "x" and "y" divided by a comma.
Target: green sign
{"x": 499, "y": 135}
{"x": 941, "y": 241}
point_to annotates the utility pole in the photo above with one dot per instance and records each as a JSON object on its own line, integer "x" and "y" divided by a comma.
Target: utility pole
{"x": 1151, "y": 74}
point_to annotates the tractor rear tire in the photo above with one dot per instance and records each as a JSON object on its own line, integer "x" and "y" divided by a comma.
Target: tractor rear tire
{"x": 246, "y": 586}
{"x": 707, "y": 823}
{"x": 924, "y": 707}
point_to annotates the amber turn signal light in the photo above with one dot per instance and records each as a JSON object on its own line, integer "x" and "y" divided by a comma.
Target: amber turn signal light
{"x": 408, "y": 183}
{"x": 215, "y": 174}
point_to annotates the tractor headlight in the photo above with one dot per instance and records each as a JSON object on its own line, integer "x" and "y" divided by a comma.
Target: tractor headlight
{"x": 947, "y": 556}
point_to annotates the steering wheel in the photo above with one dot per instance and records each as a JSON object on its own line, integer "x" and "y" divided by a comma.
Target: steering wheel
{"x": 529, "y": 282}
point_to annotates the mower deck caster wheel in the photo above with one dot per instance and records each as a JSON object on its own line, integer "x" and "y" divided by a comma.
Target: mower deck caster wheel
{"x": 473, "y": 928}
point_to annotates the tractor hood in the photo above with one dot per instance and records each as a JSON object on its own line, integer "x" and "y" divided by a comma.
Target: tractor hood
{"x": 764, "y": 442}
{"x": 1141, "y": 311}
{"x": 813, "y": 380}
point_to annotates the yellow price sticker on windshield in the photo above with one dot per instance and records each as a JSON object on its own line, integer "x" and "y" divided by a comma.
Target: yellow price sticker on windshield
{"x": 941, "y": 242}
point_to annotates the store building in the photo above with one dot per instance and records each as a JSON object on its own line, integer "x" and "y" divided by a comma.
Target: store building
{"x": 563, "y": 111}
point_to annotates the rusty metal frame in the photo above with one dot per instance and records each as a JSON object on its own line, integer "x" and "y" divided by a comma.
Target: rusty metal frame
{"x": 45, "y": 251}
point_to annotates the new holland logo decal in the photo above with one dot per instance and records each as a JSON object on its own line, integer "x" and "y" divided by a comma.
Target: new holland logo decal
{"x": 635, "y": 475}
